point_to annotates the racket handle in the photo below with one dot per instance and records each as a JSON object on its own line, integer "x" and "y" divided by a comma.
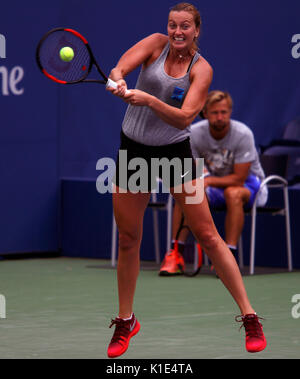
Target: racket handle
{"x": 111, "y": 83}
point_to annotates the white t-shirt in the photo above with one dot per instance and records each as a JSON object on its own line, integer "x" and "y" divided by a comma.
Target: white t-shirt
{"x": 220, "y": 156}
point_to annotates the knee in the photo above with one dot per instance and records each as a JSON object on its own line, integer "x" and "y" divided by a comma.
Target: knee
{"x": 234, "y": 195}
{"x": 128, "y": 240}
{"x": 209, "y": 240}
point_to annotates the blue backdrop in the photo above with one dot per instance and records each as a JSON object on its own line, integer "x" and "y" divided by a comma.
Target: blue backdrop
{"x": 49, "y": 132}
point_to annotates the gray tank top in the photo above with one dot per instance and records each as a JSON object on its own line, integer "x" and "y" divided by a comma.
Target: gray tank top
{"x": 140, "y": 123}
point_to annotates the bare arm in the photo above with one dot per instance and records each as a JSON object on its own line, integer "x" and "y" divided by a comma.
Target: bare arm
{"x": 237, "y": 178}
{"x": 146, "y": 51}
{"x": 195, "y": 99}
{"x": 201, "y": 77}
{"x": 137, "y": 55}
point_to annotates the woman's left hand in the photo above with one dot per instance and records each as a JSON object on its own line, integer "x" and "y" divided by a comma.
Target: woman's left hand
{"x": 137, "y": 97}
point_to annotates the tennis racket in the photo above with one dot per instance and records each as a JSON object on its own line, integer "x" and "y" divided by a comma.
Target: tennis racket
{"x": 78, "y": 68}
{"x": 192, "y": 261}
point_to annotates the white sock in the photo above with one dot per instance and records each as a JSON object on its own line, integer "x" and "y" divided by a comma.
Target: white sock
{"x": 181, "y": 242}
{"x": 127, "y": 319}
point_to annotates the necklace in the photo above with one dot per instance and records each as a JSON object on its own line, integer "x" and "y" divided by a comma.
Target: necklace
{"x": 188, "y": 56}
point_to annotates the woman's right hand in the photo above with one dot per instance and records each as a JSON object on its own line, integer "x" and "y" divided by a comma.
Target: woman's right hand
{"x": 121, "y": 90}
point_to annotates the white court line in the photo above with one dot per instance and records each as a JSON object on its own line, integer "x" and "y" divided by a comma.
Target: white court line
{"x": 196, "y": 315}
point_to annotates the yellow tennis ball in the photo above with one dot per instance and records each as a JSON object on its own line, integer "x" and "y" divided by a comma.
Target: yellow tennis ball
{"x": 66, "y": 54}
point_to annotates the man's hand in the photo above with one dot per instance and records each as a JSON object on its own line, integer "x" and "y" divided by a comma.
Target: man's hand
{"x": 236, "y": 179}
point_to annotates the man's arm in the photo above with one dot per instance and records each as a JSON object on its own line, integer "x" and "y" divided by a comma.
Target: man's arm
{"x": 237, "y": 178}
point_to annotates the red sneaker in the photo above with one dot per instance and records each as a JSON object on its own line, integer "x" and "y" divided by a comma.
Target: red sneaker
{"x": 173, "y": 264}
{"x": 255, "y": 339}
{"x": 123, "y": 332}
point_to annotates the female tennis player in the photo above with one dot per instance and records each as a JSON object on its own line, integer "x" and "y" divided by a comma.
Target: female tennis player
{"x": 170, "y": 92}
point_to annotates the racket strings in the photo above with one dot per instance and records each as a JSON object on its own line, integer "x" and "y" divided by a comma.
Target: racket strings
{"x": 50, "y": 60}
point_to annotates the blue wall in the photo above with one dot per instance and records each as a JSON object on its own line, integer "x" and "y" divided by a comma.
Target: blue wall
{"x": 28, "y": 135}
{"x": 87, "y": 222}
{"x": 50, "y": 131}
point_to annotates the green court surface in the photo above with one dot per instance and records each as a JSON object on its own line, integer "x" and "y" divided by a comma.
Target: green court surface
{"x": 61, "y": 308}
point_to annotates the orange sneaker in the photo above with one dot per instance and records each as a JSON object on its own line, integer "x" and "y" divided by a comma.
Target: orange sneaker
{"x": 173, "y": 264}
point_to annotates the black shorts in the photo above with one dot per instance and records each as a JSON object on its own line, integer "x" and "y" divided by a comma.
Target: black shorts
{"x": 138, "y": 166}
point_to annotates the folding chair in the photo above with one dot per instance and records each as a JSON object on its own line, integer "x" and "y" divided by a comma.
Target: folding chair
{"x": 275, "y": 168}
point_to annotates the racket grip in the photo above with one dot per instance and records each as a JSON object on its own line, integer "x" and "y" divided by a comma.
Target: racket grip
{"x": 111, "y": 83}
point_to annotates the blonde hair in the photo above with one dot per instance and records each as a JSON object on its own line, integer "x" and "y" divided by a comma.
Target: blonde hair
{"x": 215, "y": 97}
{"x": 187, "y": 7}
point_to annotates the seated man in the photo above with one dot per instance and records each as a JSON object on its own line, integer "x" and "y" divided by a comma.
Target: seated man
{"x": 232, "y": 173}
